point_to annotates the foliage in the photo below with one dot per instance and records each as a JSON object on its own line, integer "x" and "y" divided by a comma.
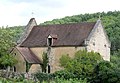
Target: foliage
{"x": 8, "y": 60}
{"x": 95, "y": 70}
{"x": 115, "y": 60}
{"x": 64, "y": 74}
{"x": 5, "y": 80}
{"x": 57, "y": 80}
{"x": 81, "y": 66}
{"x": 28, "y": 65}
{"x": 65, "y": 59}
{"x": 44, "y": 76}
{"x": 45, "y": 62}
{"x": 105, "y": 72}
{"x": 53, "y": 78}
{"x": 8, "y": 37}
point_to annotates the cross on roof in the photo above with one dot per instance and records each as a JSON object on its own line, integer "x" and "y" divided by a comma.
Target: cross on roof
{"x": 32, "y": 14}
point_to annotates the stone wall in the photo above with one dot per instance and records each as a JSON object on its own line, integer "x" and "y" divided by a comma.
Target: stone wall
{"x": 59, "y": 51}
{"x": 55, "y": 54}
{"x": 38, "y": 51}
{"x": 99, "y": 43}
{"x": 35, "y": 68}
{"x": 21, "y": 65}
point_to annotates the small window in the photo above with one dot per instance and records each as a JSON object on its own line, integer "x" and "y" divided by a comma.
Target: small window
{"x": 15, "y": 54}
{"x": 105, "y": 45}
{"x": 49, "y": 41}
{"x": 48, "y": 68}
{"x": 14, "y": 69}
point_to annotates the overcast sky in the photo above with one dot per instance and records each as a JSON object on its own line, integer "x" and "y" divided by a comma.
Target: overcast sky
{"x": 18, "y": 12}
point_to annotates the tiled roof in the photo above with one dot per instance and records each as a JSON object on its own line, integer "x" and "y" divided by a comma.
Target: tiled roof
{"x": 27, "y": 30}
{"x": 28, "y": 55}
{"x": 67, "y": 34}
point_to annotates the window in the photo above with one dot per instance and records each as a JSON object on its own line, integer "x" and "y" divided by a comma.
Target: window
{"x": 105, "y": 45}
{"x": 15, "y": 54}
{"x": 49, "y": 41}
{"x": 94, "y": 43}
{"x": 51, "y": 38}
{"x": 14, "y": 69}
{"x": 48, "y": 68}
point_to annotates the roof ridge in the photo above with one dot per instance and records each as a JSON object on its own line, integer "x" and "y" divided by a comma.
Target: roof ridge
{"x": 65, "y": 23}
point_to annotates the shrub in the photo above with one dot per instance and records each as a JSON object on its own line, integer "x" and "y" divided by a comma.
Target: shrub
{"x": 64, "y": 74}
{"x": 60, "y": 80}
{"x": 81, "y": 66}
{"x": 105, "y": 72}
{"x": 45, "y": 62}
{"x": 44, "y": 76}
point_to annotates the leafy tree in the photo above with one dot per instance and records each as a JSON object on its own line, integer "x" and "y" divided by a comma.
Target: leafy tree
{"x": 64, "y": 60}
{"x": 115, "y": 59}
{"x": 8, "y": 37}
{"x": 8, "y": 60}
{"x": 105, "y": 72}
{"x": 82, "y": 64}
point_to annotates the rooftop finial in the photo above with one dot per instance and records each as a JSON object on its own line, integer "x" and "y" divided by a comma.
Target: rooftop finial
{"x": 32, "y": 14}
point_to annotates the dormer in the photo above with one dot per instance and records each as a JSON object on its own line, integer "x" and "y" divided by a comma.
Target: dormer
{"x": 51, "y": 39}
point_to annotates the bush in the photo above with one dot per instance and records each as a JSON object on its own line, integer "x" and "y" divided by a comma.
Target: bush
{"x": 60, "y": 80}
{"x": 11, "y": 80}
{"x": 64, "y": 75}
{"x": 105, "y": 72}
{"x": 81, "y": 66}
{"x": 44, "y": 76}
{"x": 58, "y": 77}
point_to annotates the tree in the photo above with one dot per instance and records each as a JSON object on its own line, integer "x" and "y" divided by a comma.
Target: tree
{"x": 105, "y": 72}
{"x": 8, "y": 37}
{"x": 82, "y": 64}
{"x": 8, "y": 60}
{"x": 45, "y": 62}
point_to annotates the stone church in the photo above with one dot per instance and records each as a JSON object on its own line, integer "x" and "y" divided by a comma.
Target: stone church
{"x": 58, "y": 40}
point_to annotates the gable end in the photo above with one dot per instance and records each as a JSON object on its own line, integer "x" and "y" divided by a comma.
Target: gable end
{"x": 93, "y": 31}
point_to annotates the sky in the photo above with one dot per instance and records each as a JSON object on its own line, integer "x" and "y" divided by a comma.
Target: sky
{"x": 19, "y": 12}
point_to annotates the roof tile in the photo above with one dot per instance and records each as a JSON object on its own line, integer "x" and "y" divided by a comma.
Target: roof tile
{"x": 67, "y": 34}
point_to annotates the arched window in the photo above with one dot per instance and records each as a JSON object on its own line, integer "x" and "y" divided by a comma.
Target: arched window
{"x": 49, "y": 40}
